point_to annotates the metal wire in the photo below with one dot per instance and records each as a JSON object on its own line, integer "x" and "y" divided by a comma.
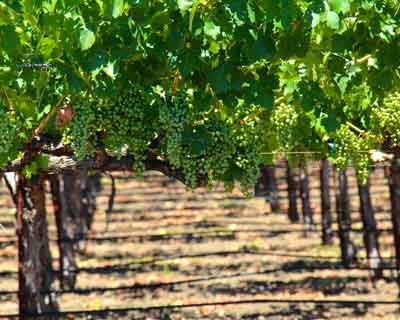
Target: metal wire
{"x": 121, "y": 310}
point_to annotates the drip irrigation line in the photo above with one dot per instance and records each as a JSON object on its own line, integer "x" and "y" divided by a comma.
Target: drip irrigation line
{"x": 154, "y": 285}
{"x": 126, "y": 267}
{"x": 121, "y": 310}
{"x": 171, "y": 236}
{"x": 197, "y": 279}
{"x": 193, "y": 235}
{"x": 130, "y": 217}
{"x": 245, "y": 251}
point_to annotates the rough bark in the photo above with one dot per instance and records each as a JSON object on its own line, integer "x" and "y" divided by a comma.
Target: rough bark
{"x": 292, "y": 196}
{"x": 267, "y": 186}
{"x": 305, "y": 200}
{"x": 347, "y": 247}
{"x": 90, "y": 187}
{"x": 65, "y": 236}
{"x": 71, "y": 204}
{"x": 260, "y": 188}
{"x": 59, "y": 164}
{"x": 394, "y": 185}
{"x": 326, "y": 214}
{"x": 272, "y": 188}
{"x": 370, "y": 232}
{"x": 34, "y": 259}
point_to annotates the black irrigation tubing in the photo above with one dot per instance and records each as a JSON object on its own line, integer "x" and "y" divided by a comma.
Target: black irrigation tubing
{"x": 189, "y": 235}
{"x": 217, "y": 222}
{"x": 153, "y": 285}
{"x": 124, "y": 215}
{"x": 221, "y": 253}
{"x": 185, "y": 208}
{"x": 121, "y": 310}
{"x": 182, "y": 196}
{"x": 126, "y": 267}
{"x": 197, "y": 279}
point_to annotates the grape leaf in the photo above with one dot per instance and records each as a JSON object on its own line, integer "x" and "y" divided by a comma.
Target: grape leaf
{"x": 333, "y": 20}
{"x": 86, "y": 39}
{"x": 340, "y": 6}
{"x": 211, "y": 29}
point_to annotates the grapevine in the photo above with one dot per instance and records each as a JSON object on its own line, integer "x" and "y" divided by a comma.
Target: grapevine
{"x": 9, "y": 130}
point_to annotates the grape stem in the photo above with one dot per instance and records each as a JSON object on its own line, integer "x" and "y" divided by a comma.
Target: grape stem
{"x": 363, "y": 132}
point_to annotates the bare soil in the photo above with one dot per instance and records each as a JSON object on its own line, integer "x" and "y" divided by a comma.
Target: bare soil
{"x": 168, "y": 246}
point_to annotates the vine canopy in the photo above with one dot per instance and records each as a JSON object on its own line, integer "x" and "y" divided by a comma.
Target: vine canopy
{"x": 204, "y": 86}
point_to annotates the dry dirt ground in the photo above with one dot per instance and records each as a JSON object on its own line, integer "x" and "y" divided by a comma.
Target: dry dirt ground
{"x": 168, "y": 246}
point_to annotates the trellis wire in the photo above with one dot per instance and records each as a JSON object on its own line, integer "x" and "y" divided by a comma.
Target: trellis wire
{"x": 205, "y": 304}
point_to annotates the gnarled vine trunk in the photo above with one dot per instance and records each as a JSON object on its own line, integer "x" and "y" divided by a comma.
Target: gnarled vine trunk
{"x": 65, "y": 234}
{"x": 305, "y": 200}
{"x": 347, "y": 247}
{"x": 90, "y": 187}
{"x": 34, "y": 259}
{"x": 292, "y": 195}
{"x": 267, "y": 186}
{"x": 272, "y": 188}
{"x": 259, "y": 188}
{"x": 370, "y": 232}
{"x": 326, "y": 214}
{"x": 71, "y": 208}
{"x": 394, "y": 184}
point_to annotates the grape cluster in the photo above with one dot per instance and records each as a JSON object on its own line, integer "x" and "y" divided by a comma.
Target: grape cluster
{"x": 209, "y": 145}
{"x": 126, "y": 122}
{"x": 353, "y": 149}
{"x": 386, "y": 118}
{"x": 8, "y": 135}
{"x": 285, "y": 120}
{"x": 200, "y": 143}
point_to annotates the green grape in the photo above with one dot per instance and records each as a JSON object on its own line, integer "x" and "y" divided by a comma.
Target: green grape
{"x": 353, "y": 149}
{"x": 201, "y": 144}
{"x": 126, "y": 122}
{"x": 386, "y": 118}
{"x": 285, "y": 119}
{"x": 206, "y": 144}
{"x": 9, "y": 128}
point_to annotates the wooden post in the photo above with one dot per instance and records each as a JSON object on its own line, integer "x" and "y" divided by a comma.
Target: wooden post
{"x": 35, "y": 273}
{"x": 326, "y": 214}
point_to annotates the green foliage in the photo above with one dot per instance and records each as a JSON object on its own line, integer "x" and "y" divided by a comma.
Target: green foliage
{"x": 39, "y": 163}
{"x": 121, "y": 63}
